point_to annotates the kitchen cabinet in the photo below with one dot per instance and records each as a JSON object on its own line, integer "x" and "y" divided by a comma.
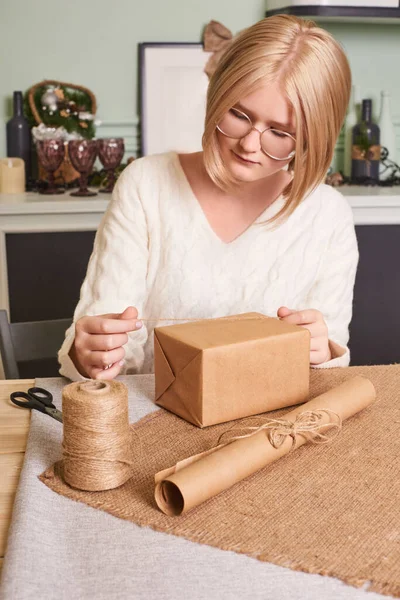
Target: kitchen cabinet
{"x": 375, "y": 327}
{"x": 355, "y": 11}
{"x": 45, "y": 244}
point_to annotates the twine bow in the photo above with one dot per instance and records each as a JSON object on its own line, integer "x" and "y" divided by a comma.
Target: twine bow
{"x": 308, "y": 424}
{"x": 216, "y": 39}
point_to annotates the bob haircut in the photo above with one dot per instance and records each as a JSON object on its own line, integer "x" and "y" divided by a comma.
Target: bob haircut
{"x": 314, "y": 74}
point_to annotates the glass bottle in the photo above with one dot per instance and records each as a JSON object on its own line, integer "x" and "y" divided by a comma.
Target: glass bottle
{"x": 388, "y": 133}
{"x": 352, "y": 119}
{"x": 19, "y": 135}
{"x": 366, "y": 150}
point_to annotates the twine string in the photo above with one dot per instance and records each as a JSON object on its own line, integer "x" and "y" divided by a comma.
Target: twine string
{"x": 308, "y": 424}
{"x": 228, "y": 318}
{"x": 67, "y": 452}
{"x": 97, "y": 444}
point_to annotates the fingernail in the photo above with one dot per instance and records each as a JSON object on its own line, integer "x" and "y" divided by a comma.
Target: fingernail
{"x": 138, "y": 324}
{"x": 122, "y": 362}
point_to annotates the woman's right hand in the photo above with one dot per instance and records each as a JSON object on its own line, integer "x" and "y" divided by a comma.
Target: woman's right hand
{"x": 97, "y": 351}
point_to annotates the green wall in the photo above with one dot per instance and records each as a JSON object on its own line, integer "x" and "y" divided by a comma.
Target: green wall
{"x": 95, "y": 44}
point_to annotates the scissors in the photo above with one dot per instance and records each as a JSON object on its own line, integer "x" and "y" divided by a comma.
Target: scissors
{"x": 37, "y": 398}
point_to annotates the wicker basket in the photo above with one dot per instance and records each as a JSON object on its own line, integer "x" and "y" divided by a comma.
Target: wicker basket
{"x": 66, "y": 171}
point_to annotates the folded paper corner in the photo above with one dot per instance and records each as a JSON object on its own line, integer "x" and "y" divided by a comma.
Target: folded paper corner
{"x": 164, "y": 375}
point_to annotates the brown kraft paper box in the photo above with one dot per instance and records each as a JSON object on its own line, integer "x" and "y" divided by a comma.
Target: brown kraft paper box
{"x": 216, "y": 370}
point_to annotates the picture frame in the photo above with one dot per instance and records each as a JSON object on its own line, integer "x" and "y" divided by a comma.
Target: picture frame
{"x": 172, "y": 94}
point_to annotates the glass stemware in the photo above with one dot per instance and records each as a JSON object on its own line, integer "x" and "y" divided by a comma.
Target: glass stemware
{"x": 82, "y": 154}
{"x": 111, "y": 153}
{"x": 51, "y": 155}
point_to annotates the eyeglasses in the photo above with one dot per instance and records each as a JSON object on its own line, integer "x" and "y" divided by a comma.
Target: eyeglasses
{"x": 276, "y": 144}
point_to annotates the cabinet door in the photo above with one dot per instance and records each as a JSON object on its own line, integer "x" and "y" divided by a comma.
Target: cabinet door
{"x": 375, "y": 327}
{"x": 45, "y": 273}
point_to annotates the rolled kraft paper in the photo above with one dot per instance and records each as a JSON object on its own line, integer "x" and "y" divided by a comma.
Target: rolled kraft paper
{"x": 205, "y": 475}
{"x": 96, "y": 444}
{"x": 12, "y": 176}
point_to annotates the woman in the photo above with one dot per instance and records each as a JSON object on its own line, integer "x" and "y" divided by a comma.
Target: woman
{"x": 245, "y": 225}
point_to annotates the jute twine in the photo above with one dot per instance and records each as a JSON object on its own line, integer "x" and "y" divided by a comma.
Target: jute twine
{"x": 308, "y": 424}
{"x": 97, "y": 440}
{"x": 228, "y": 318}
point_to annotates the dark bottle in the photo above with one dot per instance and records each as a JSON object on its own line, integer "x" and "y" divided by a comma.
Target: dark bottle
{"x": 366, "y": 150}
{"x": 19, "y": 135}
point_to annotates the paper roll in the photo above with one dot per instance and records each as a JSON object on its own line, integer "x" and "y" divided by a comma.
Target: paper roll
{"x": 12, "y": 176}
{"x": 198, "y": 478}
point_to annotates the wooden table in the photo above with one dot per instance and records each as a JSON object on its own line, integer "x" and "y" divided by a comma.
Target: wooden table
{"x": 14, "y": 426}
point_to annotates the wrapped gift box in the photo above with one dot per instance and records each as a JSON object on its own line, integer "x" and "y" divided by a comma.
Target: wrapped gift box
{"x": 216, "y": 370}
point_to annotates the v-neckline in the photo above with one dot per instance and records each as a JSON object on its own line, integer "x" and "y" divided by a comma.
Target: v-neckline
{"x": 273, "y": 207}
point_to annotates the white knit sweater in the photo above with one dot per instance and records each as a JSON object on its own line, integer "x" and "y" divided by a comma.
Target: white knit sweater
{"x": 155, "y": 250}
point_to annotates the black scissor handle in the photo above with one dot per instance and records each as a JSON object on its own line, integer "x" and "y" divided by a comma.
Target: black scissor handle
{"x": 42, "y": 395}
{"x": 28, "y": 402}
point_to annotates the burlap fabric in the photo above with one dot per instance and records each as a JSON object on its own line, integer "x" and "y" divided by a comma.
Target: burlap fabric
{"x": 332, "y": 510}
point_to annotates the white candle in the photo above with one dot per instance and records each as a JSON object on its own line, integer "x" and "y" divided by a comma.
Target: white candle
{"x": 12, "y": 176}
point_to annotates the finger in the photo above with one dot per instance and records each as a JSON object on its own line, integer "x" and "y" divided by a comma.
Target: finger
{"x": 129, "y": 313}
{"x": 105, "y": 342}
{"x": 110, "y": 373}
{"x": 303, "y": 317}
{"x": 95, "y": 371}
{"x": 92, "y": 371}
{"x": 317, "y": 330}
{"x": 103, "y": 359}
{"x": 319, "y": 344}
{"x": 284, "y": 311}
{"x": 106, "y": 326}
{"x": 317, "y": 357}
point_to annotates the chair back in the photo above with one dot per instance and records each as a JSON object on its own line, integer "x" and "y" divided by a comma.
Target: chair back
{"x": 33, "y": 340}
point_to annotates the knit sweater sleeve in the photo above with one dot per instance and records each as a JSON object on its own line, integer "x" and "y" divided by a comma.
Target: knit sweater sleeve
{"x": 116, "y": 273}
{"x": 332, "y": 292}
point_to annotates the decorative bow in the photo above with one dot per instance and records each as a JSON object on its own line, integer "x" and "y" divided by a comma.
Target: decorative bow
{"x": 216, "y": 39}
{"x": 308, "y": 424}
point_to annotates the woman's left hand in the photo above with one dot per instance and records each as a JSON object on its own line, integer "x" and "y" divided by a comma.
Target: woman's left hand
{"x": 312, "y": 320}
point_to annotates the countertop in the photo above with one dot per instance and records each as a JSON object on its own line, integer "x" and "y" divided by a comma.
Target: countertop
{"x": 373, "y": 205}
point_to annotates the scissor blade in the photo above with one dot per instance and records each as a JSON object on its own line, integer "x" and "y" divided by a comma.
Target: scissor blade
{"x": 55, "y": 413}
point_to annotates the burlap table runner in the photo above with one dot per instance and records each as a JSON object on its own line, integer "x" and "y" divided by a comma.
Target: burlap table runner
{"x": 332, "y": 510}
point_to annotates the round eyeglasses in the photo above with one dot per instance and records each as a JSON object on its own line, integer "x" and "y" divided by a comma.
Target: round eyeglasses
{"x": 276, "y": 144}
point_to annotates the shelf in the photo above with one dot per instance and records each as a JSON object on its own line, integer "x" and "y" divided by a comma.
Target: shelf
{"x": 371, "y": 195}
{"x": 30, "y": 203}
{"x": 373, "y": 205}
{"x": 342, "y": 14}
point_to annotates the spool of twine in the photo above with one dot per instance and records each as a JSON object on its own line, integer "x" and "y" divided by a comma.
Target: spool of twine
{"x": 97, "y": 439}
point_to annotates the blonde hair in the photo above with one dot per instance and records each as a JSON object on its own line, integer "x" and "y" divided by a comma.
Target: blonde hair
{"x": 313, "y": 72}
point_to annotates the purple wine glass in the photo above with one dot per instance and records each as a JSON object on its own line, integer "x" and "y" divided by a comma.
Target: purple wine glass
{"x": 82, "y": 154}
{"x": 111, "y": 153}
{"x": 51, "y": 155}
